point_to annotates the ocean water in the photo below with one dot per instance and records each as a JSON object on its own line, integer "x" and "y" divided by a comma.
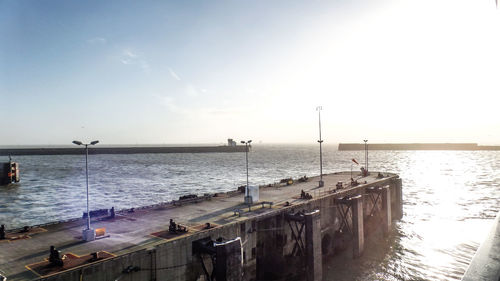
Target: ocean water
{"x": 450, "y": 197}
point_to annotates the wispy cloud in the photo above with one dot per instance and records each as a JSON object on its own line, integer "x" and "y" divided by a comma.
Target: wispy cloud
{"x": 173, "y": 74}
{"x": 97, "y": 41}
{"x": 191, "y": 91}
{"x": 129, "y": 57}
{"x": 129, "y": 54}
{"x": 170, "y": 104}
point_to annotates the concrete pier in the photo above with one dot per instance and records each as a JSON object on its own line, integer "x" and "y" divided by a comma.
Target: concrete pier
{"x": 314, "y": 269}
{"x": 282, "y": 236}
{"x": 397, "y": 203}
{"x": 357, "y": 226}
{"x": 386, "y": 210}
{"x": 229, "y": 264}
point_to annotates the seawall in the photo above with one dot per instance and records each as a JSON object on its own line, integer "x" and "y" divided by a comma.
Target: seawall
{"x": 416, "y": 146}
{"x": 120, "y": 150}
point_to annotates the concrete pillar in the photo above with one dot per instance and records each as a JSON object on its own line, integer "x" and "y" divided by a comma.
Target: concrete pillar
{"x": 314, "y": 264}
{"x": 270, "y": 262}
{"x": 386, "y": 209}
{"x": 228, "y": 266}
{"x": 357, "y": 226}
{"x": 399, "y": 198}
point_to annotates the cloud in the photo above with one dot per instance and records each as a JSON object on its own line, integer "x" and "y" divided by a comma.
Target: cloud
{"x": 173, "y": 74}
{"x": 144, "y": 65}
{"x": 170, "y": 104}
{"x": 129, "y": 57}
{"x": 191, "y": 91}
{"x": 223, "y": 111}
{"x": 129, "y": 53}
{"x": 97, "y": 41}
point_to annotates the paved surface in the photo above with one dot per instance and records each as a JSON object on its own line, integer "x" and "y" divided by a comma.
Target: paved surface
{"x": 132, "y": 231}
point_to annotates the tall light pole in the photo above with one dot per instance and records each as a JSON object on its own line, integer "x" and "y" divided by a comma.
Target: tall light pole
{"x": 366, "y": 156}
{"x": 88, "y": 233}
{"x": 246, "y": 143}
{"x": 321, "y": 183}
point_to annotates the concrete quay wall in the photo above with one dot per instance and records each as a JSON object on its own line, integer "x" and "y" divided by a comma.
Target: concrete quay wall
{"x": 275, "y": 245}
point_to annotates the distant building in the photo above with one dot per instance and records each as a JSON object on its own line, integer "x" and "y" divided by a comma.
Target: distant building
{"x": 231, "y": 142}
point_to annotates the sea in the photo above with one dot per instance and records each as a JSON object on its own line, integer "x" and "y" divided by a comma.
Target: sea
{"x": 450, "y": 197}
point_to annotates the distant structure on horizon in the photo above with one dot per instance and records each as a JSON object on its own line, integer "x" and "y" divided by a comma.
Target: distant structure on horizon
{"x": 231, "y": 142}
{"x": 416, "y": 146}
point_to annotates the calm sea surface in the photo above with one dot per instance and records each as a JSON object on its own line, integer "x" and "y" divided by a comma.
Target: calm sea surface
{"x": 450, "y": 197}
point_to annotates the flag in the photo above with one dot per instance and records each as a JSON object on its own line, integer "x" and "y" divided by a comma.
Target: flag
{"x": 354, "y": 160}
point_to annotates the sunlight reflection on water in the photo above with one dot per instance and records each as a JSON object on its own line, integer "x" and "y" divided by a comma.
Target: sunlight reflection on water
{"x": 449, "y": 196}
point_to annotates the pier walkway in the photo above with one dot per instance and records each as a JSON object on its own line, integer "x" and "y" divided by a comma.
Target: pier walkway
{"x": 132, "y": 231}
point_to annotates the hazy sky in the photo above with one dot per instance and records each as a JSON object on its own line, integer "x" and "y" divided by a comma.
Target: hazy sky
{"x": 127, "y": 72}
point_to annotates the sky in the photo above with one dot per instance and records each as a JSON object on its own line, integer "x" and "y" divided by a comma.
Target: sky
{"x": 174, "y": 72}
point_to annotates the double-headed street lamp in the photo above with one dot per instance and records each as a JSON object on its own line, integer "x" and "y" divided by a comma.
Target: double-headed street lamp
{"x": 247, "y": 197}
{"x": 321, "y": 183}
{"x": 88, "y": 234}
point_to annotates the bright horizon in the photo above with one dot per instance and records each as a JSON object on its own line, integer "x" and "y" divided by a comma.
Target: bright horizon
{"x": 126, "y": 72}
{"x": 254, "y": 143}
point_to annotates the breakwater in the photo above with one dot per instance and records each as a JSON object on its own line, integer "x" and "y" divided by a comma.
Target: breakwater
{"x": 119, "y": 150}
{"x": 416, "y": 146}
{"x": 285, "y": 235}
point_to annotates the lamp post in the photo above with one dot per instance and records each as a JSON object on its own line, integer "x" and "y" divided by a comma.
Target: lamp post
{"x": 247, "y": 197}
{"x": 88, "y": 233}
{"x": 321, "y": 183}
{"x": 366, "y": 156}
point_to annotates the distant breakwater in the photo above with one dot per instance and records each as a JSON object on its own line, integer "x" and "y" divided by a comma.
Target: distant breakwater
{"x": 120, "y": 150}
{"x": 416, "y": 146}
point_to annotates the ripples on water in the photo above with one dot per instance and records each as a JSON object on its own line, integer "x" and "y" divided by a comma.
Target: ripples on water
{"x": 450, "y": 197}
